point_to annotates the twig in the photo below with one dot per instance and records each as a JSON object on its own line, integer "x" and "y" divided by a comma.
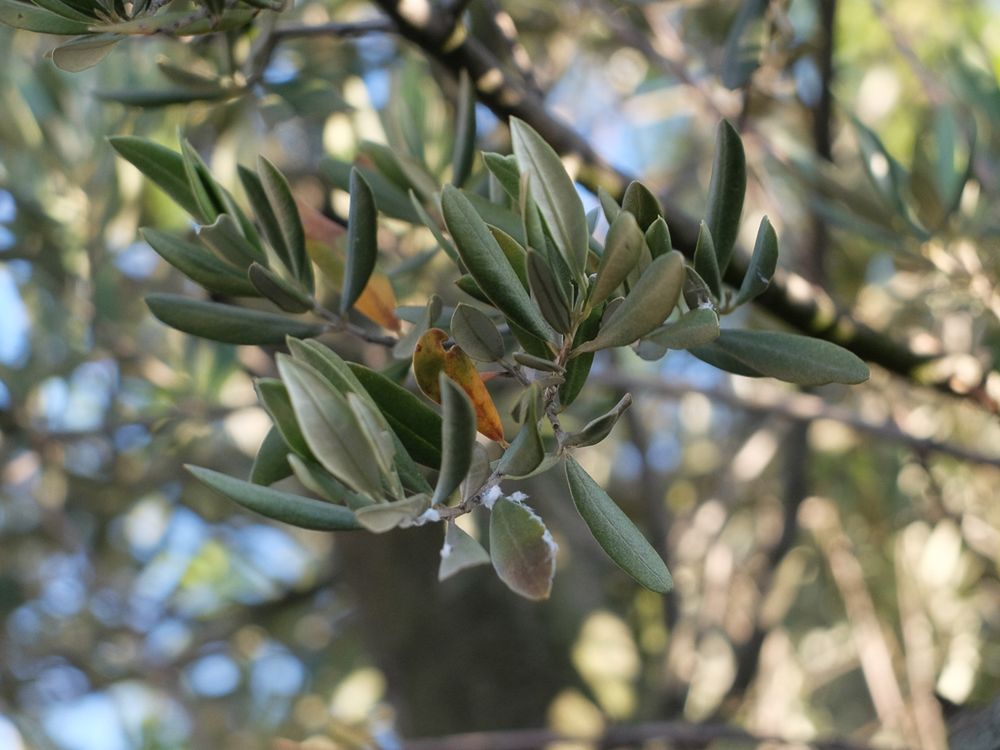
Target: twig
{"x": 677, "y": 733}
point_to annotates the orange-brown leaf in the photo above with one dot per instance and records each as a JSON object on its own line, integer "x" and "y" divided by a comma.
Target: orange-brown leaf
{"x": 430, "y": 358}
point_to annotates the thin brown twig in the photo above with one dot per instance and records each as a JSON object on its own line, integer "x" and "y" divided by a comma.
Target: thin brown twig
{"x": 675, "y": 732}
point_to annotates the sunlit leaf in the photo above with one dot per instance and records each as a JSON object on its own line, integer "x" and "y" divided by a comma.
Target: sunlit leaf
{"x": 330, "y": 427}
{"x": 554, "y": 193}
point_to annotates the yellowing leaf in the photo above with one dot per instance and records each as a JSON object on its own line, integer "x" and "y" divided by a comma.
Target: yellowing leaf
{"x": 323, "y": 237}
{"x": 430, "y": 359}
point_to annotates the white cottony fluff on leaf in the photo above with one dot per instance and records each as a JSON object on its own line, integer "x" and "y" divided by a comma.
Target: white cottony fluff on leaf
{"x": 517, "y": 497}
{"x": 547, "y": 538}
{"x": 706, "y": 305}
{"x": 431, "y": 515}
{"x": 445, "y": 550}
{"x": 490, "y": 498}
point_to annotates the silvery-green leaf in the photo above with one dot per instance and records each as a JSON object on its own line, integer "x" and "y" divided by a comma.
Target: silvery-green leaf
{"x": 387, "y": 516}
{"x": 726, "y": 192}
{"x": 479, "y": 472}
{"x": 786, "y": 356}
{"x": 84, "y": 52}
{"x": 376, "y": 432}
{"x": 514, "y": 253}
{"x": 548, "y": 293}
{"x": 199, "y": 264}
{"x": 609, "y": 205}
{"x": 285, "y": 294}
{"x": 278, "y": 252}
{"x": 271, "y": 462}
{"x": 536, "y": 363}
{"x": 468, "y": 285}
{"x": 642, "y": 204}
{"x": 29, "y": 17}
{"x": 706, "y": 263}
{"x": 362, "y": 241}
{"x": 228, "y": 242}
{"x": 694, "y": 328}
{"x": 526, "y": 452}
{"x": 697, "y": 295}
{"x": 762, "y": 264}
{"x": 593, "y": 216}
{"x": 522, "y": 549}
{"x": 273, "y": 396}
{"x": 597, "y": 429}
{"x": 488, "y": 265}
{"x": 554, "y": 193}
{"x": 504, "y": 168}
{"x": 288, "y": 222}
{"x": 417, "y": 425}
{"x": 408, "y": 343}
{"x": 161, "y": 165}
{"x": 330, "y": 428}
{"x": 615, "y": 532}
{"x": 226, "y": 323}
{"x": 473, "y": 330}
{"x": 658, "y": 238}
{"x": 465, "y": 130}
{"x": 621, "y": 256}
{"x": 458, "y": 427}
{"x": 205, "y": 190}
{"x": 460, "y": 551}
{"x": 646, "y": 307}
{"x": 303, "y": 512}
{"x": 314, "y": 478}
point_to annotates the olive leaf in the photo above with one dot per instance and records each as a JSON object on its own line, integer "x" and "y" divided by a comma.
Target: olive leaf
{"x": 522, "y": 549}
{"x": 615, "y": 532}
{"x": 458, "y": 438}
{"x": 226, "y": 323}
{"x": 303, "y": 512}
{"x": 476, "y": 334}
{"x": 762, "y": 264}
{"x": 459, "y": 551}
{"x": 646, "y": 307}
{"x": 621, "y": 255}
{"x": 785, "y": 356}
{"x": 726, "y": 191}
{"x": 362, "y": 242}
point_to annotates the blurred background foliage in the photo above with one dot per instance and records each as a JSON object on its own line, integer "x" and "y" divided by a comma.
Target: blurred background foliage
{"x": 835, "y": 552}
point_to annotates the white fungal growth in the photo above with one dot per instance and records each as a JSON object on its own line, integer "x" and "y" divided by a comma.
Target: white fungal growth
{"x": 431, "y": 515}
{"x": 550, "y": 542}
{"x": 445, "y": 551}
{"x": 517, "y": 497}
{"x": 490, "y": 498}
